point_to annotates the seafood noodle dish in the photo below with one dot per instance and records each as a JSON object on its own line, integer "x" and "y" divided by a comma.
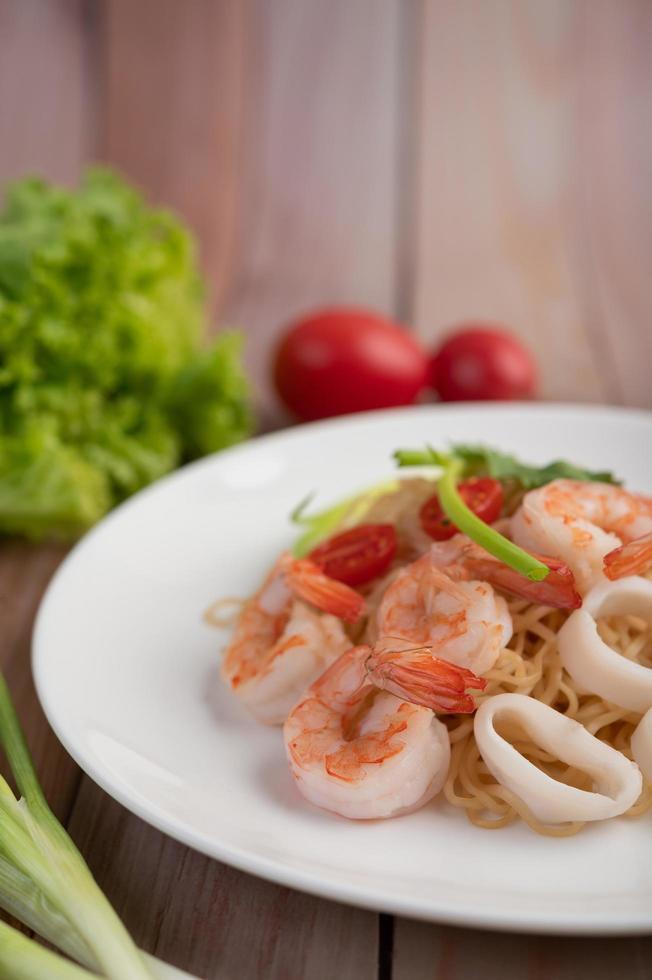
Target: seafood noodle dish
{"x": 473, "y": 629}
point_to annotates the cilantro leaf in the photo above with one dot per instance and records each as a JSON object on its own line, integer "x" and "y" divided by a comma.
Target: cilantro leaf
{"x": 485, "y": 461}
{"x": 482, "y": 460}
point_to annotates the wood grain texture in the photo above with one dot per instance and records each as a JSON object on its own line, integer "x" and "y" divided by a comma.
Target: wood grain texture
{"x": 211, "y": 919}
{"x": 272, "y": 127}
{"x": 174, "y": 114}
{"x": 46, "y": 93}
{"x": 496, "y": 222}
{"x": 319, "y": 188}
{"x": 614, "y": 163}
{"x": 427, "y": 952}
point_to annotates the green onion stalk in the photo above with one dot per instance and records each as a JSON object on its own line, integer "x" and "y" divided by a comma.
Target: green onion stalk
{"x": 341, "y": 516}
{"x": 492, "y": 541}
{"x": 23, "y": 959}
{"x": 45, "y": 882}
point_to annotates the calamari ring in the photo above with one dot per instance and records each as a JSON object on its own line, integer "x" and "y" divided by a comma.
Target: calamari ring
{"x": 618, "y": 781}
{"x": 591, "y": 662}
{"x": 641, "y": 744}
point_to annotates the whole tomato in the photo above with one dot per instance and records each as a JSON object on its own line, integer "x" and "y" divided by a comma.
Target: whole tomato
{"x": 347, "y": 360}
{"x": 482, "y": 362}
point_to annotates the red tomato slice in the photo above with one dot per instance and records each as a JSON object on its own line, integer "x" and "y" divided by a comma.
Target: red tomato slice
{"x": 483, "y": 495}
{"x": 357, "y": 556}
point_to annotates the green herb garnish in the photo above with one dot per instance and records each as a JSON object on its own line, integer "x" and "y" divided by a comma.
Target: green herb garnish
{"x": 464, "y": 461}
{"x": 340, "y": 516}
{"x": 466, "y": 521}
{"x": 483, "y": 461}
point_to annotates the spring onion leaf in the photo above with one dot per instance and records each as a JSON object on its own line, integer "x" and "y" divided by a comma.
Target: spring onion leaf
{"x": 35, "y": 845}
{"x": 484, "y": 535}
{"x": 421, "y": 457}
{"x": 341, "y": 516}
{"x": 457, "y": 466}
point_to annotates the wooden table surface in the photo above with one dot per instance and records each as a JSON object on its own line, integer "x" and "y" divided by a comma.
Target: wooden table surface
{"x": 435, "y": 159}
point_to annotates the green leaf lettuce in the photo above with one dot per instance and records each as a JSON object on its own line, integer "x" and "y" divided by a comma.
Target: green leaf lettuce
{"x": 104, "y": 385}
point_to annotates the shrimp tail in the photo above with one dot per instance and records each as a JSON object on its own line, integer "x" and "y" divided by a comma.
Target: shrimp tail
{"x": 309, "y": 583}
{"x": 420, "y": 677}
{"x": 632, "y": 558}
{"x": 558, "y": 588}
{"x": 460, "y": 558}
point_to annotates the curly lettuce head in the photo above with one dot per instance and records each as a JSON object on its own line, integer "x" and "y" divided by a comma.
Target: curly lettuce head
{"x": 103, "y": 383}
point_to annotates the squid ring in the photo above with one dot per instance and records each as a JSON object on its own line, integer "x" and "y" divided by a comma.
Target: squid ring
{"x": 618, "y": 781}
{"x": 641, "y": 744}
{"x": 595, "y": 665}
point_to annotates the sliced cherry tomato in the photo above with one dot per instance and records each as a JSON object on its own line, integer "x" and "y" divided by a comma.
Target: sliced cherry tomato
{"x": 357, "y": 556}
{"x": 483, "y": 495}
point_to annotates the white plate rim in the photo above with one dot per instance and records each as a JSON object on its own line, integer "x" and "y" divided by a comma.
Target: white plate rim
{"x": 597, "y": 923}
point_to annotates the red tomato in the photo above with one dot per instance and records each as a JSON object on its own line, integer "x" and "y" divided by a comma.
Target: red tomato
{"x": 358, "y": 555}
{"x": 480, "y": 362}
{"x": 482, "y": 494}
{"x": 347, "y": 360}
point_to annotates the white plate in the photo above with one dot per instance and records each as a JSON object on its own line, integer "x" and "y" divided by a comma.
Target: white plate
{"x": 127, "y": 673}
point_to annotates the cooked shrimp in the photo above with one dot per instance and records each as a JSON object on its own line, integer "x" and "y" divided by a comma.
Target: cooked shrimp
{"x": 632, "y": 558}
{"x": 366, "y": 753}
{"x": 280, "y": 644}
{"x": 463, "y": 559}
{"x": 464, "y": 622}
{"x": 580, "y": 523}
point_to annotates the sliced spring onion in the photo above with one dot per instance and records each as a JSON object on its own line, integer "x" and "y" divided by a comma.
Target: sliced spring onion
{"x": 463, "y": 518}
{"x": 492, "y": 541}
{"x": 341, "y": 516}
{"x": 421, "y": 457}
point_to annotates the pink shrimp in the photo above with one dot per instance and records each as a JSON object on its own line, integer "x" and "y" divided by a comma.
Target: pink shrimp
{"x": 580, "y": 523}
{"x": 364, "y": 742}
{"x": 464, "y": 622}
{"x": 632, "y": 558}
{"x": 463, "y": 559}
{"x": 280, "y": 644}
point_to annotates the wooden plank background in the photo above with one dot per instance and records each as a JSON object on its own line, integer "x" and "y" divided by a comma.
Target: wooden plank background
{"x": 435, "y": 159}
